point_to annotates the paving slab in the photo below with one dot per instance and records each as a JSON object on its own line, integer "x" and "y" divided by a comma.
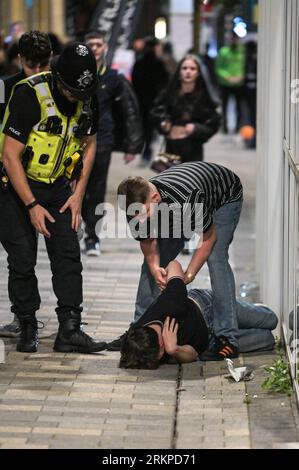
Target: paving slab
{"x": 60, "y": 401}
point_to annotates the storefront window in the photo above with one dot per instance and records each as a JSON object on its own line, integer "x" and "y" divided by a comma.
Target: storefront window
{"x": 290, "y": 320}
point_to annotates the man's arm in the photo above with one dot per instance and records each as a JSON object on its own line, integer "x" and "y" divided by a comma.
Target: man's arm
{"x": 12, "y": 151}
{"x": 201, "y": 254}
{"x": 131, "y": 120}
{"x": 185, "y": 354}
{"x": 174, "y": 270}
{"x": 182, "y": 354}
{"x": 74, "y": 203}
{"x": 152, "y": 257}
{"x": 88, "y": 160}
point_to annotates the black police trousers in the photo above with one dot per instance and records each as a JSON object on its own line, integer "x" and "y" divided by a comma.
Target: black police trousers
{"x": 19, "y": 239}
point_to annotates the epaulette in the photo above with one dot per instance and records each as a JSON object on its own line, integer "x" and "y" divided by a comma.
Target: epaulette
{"x": 40, "y": 78}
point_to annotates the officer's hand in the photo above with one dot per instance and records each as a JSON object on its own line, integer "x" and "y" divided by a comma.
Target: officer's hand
{"x": 38, "y": 216}
{"x": 73, "y": 203}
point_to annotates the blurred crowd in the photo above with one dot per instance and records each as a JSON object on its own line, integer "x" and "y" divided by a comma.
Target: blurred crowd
{"x": 9, "y": 49}
{"x": 181, "y": 107}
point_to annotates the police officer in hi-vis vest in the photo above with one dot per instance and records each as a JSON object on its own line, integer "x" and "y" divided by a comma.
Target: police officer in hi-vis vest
{"x": 48, "y": 122}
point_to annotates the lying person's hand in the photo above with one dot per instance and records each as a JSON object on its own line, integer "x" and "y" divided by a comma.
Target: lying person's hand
{"x": 169, "y": 335}
{"x": 160, "y": 277}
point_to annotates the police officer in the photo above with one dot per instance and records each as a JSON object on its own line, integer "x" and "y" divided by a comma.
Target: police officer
{"x": 47, "y": 120}
{"x": 35, "y": 52}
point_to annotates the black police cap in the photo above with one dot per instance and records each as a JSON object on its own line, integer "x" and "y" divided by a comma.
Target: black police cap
{"x": 76, "y": 69}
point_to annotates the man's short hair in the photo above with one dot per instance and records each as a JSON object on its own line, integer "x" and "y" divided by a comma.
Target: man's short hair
{"x": 140, "y": 349}
{"x": 95, "y": 35}
{"x": 35, "y": 47}
{"x": 135, "y": 188}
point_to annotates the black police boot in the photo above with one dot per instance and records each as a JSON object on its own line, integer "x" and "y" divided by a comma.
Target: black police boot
{"x": 28, "y": 341}
{"x": 71, "y": 338}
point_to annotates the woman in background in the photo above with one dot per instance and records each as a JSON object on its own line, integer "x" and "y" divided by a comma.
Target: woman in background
{"x": 185, "y": 112}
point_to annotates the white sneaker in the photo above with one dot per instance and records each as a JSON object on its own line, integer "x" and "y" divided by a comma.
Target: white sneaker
{"x": 92, "y": 248}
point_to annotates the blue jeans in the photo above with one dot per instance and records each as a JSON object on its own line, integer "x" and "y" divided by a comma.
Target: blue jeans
{"x": 226, "y": 219}
{"x": 254, "y": 323}
{"x": 222, "y": 278}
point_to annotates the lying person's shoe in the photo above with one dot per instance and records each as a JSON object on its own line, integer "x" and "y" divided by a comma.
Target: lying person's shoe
{"x": 116, "y": 344}
{"x": 223, "y": 349}
{"x": 12, "y": 330}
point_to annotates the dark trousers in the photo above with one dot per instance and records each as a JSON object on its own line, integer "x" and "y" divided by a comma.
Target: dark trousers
{"x": 19, "y": 239}
{"x": 148, "y": 133}
{"x": 96, "y": 191}
{"x": 250, "y": 99}
{"x": 237, "y": 93}
{"x": 190, "y": 150}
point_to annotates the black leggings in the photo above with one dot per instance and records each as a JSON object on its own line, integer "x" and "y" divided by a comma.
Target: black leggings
{"x": 190, "y": 150}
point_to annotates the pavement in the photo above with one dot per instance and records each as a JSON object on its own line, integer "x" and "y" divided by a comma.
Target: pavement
{"x": 73, "y": 401}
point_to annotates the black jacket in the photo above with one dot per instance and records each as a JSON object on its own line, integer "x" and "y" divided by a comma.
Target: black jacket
{"x": 188, "y": 108}
{"x": 128, "y": 132}
{"x": 119, "y": 124}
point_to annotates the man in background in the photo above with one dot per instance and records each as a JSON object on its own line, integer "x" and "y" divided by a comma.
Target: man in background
{"x": 118, "y": 128}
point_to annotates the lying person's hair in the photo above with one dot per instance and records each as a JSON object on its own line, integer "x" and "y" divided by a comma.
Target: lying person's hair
{"x": 140, "y": 349}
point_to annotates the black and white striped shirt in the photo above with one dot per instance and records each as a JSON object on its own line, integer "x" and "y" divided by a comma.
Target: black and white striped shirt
{"x": 194, "y": 183}
{"x": 199, "y": 182}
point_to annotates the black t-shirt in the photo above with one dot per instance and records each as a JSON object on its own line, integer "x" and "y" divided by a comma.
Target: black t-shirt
{"x": 173, "y": 302}
{"x": 25, "y": 111}
{"x": 9, "y": 83}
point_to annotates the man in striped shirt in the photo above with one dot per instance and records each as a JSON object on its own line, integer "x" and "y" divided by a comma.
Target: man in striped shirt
{"x": 209, "y": 196}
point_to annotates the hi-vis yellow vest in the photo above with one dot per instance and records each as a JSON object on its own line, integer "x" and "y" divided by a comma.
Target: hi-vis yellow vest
{"x": 46, "y": 151}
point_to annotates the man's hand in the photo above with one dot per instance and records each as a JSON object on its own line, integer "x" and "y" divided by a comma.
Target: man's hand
{"x": 129, "y": 157}
{"x": 169, "y": 335}
{"x": 160, "y": 276}
{"x": 188, "y": 278}
{"x": 38, "y": 216}
{"x": 73, "y": 203}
